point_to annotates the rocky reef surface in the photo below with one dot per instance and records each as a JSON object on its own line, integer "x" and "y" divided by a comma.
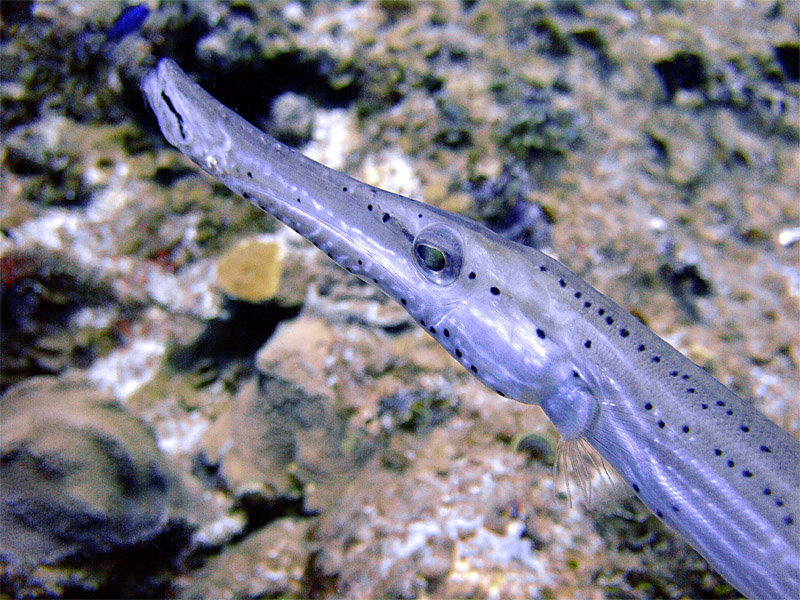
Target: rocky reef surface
{"x": 197, "y": 403}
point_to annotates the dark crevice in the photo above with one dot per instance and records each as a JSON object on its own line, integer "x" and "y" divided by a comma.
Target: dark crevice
{"x": 788, "y": 56}
{"x": 683, "y": 71}
{"x": 246, "y": 328}
{"x": 261, "y": 511}
{"x": 248, "y": 87}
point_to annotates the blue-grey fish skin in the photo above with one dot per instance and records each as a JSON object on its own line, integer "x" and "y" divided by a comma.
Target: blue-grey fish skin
{"x": 703, "y": 460}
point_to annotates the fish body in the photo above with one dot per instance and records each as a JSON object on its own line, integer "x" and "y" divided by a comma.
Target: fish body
{"x": 703, "y": 460}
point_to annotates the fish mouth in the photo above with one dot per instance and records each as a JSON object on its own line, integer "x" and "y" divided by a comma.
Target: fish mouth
{"x": 160, "y": 88}
{"x": 367, "y": 231}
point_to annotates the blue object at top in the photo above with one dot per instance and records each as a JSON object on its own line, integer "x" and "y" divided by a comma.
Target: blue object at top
{"x": 130, "y": 21}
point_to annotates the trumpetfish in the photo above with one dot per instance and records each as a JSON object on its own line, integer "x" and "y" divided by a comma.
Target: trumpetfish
{"x": 706, "y": 462}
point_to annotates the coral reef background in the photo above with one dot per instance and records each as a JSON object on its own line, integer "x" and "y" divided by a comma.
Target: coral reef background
{"x": 198, "y": 403}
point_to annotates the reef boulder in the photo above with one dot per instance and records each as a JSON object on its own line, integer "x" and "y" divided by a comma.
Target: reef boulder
{"x": 80, "y": 476}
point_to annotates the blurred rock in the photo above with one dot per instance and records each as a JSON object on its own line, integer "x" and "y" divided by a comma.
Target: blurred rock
{"x": 270, "y": 563}
{"x": 684, "y": 143}
{"x": 283, "y": 437}
{"x": 503, "y": 204}
{"x": 291, "y": 118}
{"x": 81, "y": 478}
{"x": 251, "y": 271}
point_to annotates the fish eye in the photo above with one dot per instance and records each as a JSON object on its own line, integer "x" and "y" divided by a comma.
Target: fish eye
{"x": 433, "y": 258}
{"x": 437, "y": 253}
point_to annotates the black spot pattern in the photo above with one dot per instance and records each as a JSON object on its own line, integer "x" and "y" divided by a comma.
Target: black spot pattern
{"x": 692, "y": 389}
{"x": 610, "y": 319}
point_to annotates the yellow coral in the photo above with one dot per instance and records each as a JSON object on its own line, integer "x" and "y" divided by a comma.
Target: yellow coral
{"x": 251, "y": 271}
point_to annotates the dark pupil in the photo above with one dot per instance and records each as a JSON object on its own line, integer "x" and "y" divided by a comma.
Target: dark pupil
{"x": 433, "y": 258}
